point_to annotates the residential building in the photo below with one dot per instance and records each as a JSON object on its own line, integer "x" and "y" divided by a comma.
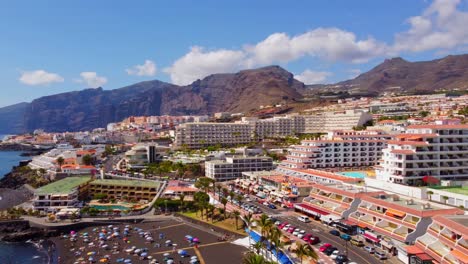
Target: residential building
{"x": 324, "y": 122}
{"x": 446, "y": 241}
{"x": 61, "y": 194}
{"x": 278, "y": 126}
{"x": 340, "y": 148}
{"x": 232, "y": 167}
{"x": 397, "y": 217}
{"x": 125, "y": 189}
{"x": 199, "y": 135}
{"x": 142, "y": 154}
{"x": 439, "y": 151}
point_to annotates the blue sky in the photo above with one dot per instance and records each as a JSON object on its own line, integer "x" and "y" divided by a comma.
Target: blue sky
{"x": 48, "y": 47}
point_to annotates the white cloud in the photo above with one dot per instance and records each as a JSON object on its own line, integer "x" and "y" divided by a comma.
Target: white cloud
{"x": 199, "y": 63}
{"x": 40, "y": 77}
{"x": 441, "y": 26}
{"x": 147, "y": 69}
{"x": 91, "y": 79}
{"x": 312, "y": 77}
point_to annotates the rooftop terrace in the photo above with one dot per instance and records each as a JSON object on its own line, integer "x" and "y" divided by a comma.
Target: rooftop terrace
{"x": 64, "y": 186}
{"x": 133, "y": 183}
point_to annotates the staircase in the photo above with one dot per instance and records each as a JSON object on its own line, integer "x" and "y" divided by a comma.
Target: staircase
{"x": 353, "y": 208}
{"x": 420, "y": 230}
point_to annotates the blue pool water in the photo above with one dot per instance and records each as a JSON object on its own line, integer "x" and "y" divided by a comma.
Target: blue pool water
{"x": 354, "y": 174}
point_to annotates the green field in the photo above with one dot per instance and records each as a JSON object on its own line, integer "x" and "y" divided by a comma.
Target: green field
{"x": 458, "y": 190}
{"x": 64, "y": 186}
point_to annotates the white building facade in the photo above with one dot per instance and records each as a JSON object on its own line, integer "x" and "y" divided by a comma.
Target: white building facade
{"x": 232, "y": 167}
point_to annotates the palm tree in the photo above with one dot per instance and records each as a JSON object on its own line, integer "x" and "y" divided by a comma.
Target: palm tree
{"x": 236, "y": 215}
{"x": 210, "y": 208}
{"x": 219, "y": 187}
{"x": 224, "y": 202}
{"x": 303, "y": 250}
{"x": 430, "y": 193}
{"x": 240, "y": 197}
{"x": 445, "y": 198}
{"x": 231, "y": 196}
{"x": 60, "y": 160}
{"x": 252, "y": 258}
{"x": 264, "y": 223}
{"x": 248, "y": 221}
{"x": 258, "y": 247}
{"x": 181, "y": 199}
{"x": 225, "y": 192}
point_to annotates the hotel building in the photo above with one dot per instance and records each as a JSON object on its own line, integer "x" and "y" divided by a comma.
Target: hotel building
{"x": 328, "y": 121}
{"x": 199, "y": 135}
{"x": 61, "y": 194}
{"x": 232, "y": 167}
{"x": 129, "y": 189}
{"x": 440, "y": 151}
{"x": 342, "y": 148}
{"x": 142, "y": 154}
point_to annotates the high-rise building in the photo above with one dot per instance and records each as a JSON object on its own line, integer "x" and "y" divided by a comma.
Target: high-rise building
{"x": 232, "y": 167}
{"x": 426, "y": 152}
{"x": 342, "y": 148}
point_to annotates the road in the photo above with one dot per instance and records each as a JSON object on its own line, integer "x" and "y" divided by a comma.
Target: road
{"x": 355, "y": 254}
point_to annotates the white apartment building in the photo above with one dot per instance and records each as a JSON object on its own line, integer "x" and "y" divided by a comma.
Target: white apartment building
{"x": 65, "y": 193}
{"x": 440, "y": 151}
{"x": 278, "y": 126}
{"x": 341, "y": 148}
{"x": 142, "y": 154}
{"x": 328, "y": 121}
{"x": 199, "y": 135}
{"x": 232, "y": 167}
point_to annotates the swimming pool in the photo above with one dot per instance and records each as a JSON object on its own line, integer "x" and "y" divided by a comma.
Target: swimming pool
{"x": 354, "y": 174}
{"x": 112, "y": 207}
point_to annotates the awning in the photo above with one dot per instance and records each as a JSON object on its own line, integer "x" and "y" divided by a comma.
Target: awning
{"x": 413, "y": 250}
{"x": 309, "y": 209}
{"x": 386, "y": 244}
{"x": 392, "y": 212}
{"x": 362, "y": 225}
{"x": 460, "y": 255}
{"x": 371, "y": 238}
{"x": 424, "y": 256}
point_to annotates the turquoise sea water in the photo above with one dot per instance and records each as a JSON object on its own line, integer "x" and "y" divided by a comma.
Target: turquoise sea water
{"x": 353, "y": 174}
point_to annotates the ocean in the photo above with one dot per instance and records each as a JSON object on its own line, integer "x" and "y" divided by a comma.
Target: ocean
{"x": 22, "y": 252}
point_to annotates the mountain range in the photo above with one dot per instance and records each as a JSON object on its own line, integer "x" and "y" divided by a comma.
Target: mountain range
{"x": 233, "y": 92}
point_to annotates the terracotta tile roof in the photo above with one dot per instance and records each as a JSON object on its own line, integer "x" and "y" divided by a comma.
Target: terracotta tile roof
{"x": 408, "y": 135}
{"x": 402, "y": 151}
{"x": 439, "y": 126}
{"x": 412, "y": 143}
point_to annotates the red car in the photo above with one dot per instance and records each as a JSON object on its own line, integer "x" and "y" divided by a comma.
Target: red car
{"x": 291, "y": 229}
{"x": 306, "y": 237}
{"x": 282, "y": 225}
{"x": 313, "y": 240}
{"x": 324, "y": 247}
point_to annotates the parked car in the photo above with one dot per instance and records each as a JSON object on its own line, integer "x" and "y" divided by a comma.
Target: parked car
{"x": 301, "y": 234}
{"x": 357, "y": 243}
{"x": 314, "y": 240}
{"x": 329, "y": 250}
{"x": 282, "y": 225}
{"x": 306, "y": 237}
{"x": 303, "y": 218}
{"x": 335, "y": 232}
{"x": 380, "y": 254}
{"x": 324, "y": 247}
{"x": 265, "y": 203}
{"x": 291, "y": 229}
{"x": 334, "y": 254}
{"x": 369, "y": 249}
{"x": 272, "y": 206}
{"x": 345, "y": 237}
{"x": 277, "y": 223}
{"x": 341, "y": 259}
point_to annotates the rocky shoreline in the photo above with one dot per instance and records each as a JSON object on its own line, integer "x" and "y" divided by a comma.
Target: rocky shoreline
{"x": 20, "y": 231}
{"x": 16, "y": 147}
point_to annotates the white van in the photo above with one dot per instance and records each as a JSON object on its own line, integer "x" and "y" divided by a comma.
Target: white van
{"x": 303, "y": 218}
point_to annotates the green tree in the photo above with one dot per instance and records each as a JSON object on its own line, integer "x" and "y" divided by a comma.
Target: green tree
{"x": 264, "y": 223}
{"x": 88, "y": 159}
{"x": 60, "y": 160}
{"x": 430, "y": 193}
{"x": 445, "y": 198}
{"x": 219, "y": 187}
{"x": 204, "y": 183}
{"x": 202, "y": 200}
{"x": 224, "y": 202}
{"x": 305, "y": 250}
{"x": 181, "y": 199}
{"x": 424, "y": 113}
{"x": 236, "y": 214}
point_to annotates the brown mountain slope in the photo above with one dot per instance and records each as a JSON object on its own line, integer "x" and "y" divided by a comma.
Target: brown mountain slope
{"x": 397, "y": 74}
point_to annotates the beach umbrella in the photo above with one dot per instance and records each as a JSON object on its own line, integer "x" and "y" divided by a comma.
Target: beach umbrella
{"x": 144, "y": 254}
{"x": 194, "y": 257}
{"x": 109, "y": 226}
{"x": 91, "y": 253}
{"x": 182, "y": 252}
{"x": 91, "y": 259}
{"x": 127, "y": 260}
{"x": 166, "y": 254}
{"x": 168, "y": 241}
{"x": 72, "y": 232}
{"x": 149, "y": 238}
{"x": 120, "y": 260}
{"x": 150, "y": 257}
{"x": 138, "y": 251}
{"x": 192, "y": 261}
{"x": 103, "y": 260}
{"x": 196, "y": 240}
{"x": 170, "y": 261}
{"x": 85, "y": 234}
{"x": 127, "y": 226}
